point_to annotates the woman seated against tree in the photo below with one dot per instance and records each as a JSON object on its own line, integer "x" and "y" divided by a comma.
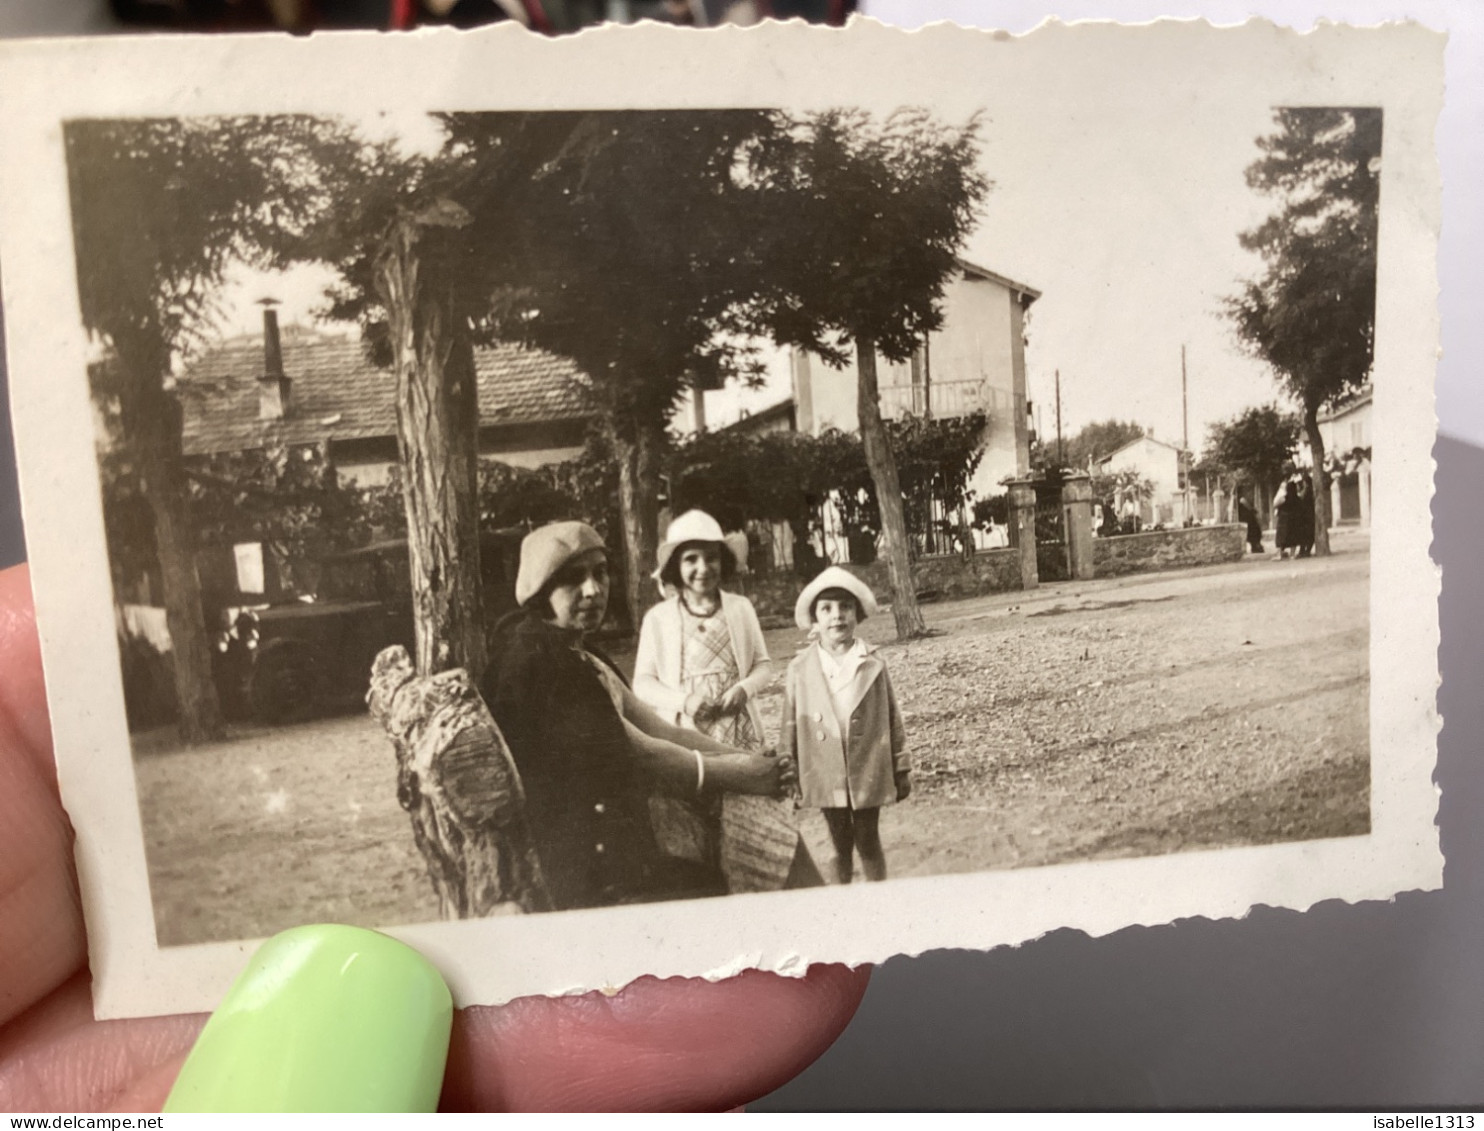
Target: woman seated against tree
{"x": 589, "y": 753}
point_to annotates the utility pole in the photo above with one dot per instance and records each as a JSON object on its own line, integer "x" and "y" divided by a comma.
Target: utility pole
{"x": 1184, "y": 404}
{"x": 1061, "y": 455}
{"x": 1185, "y": 430}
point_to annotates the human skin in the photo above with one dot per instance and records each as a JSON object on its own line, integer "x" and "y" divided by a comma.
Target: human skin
{"x": 579, "y": 592}
{"x": 835, "y": 618}
{"x": 656, "y": 1045}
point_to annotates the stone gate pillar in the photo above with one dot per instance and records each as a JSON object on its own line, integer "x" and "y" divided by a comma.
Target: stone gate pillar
{"x": 1023, "y": 531}
{"x": 1076, "y": 502}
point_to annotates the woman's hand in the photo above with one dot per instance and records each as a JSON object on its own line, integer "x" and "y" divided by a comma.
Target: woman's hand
{"x": 699, "y": 708}
{"x": 904, "y": 784}
{"x": 759, "y": 774}
{"x": 671, "y": 1044}
{"x": 733, "y": 700}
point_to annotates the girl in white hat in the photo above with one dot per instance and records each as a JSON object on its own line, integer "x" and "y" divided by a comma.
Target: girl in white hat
{"x": 701, "y": 664}
{"x": 702, "y": 659}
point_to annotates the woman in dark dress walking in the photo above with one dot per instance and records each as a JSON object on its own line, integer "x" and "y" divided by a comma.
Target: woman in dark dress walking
{"x": 1287, "y": 506}
{"x": 1305, "y": 517}
{"x": 1246, "y": 514}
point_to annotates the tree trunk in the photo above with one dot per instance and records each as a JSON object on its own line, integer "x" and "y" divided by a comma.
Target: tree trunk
{"x": 460, "y": 787}
{"x": 437, "y": 442}
{"x": 637, "y": 446}
{"x": 153, "y": 420}
{"x": 883, "y": 466}
{"x": 1320, "y": 480}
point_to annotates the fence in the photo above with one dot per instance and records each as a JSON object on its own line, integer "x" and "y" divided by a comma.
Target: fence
{"x": 947, "y": 398}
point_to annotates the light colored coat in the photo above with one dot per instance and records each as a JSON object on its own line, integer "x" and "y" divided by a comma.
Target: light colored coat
{"x": 657, "y": 667}
{"x": 855, "y": 771}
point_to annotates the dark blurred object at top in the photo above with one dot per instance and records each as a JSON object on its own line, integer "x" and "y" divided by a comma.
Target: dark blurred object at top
{"x": 550, "y": 16}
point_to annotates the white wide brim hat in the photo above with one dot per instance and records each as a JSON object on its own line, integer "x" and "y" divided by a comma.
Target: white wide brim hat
{"x": 692, "y": 526}
{"x": 546, "y": 549}
{"x": 833, "y": 578}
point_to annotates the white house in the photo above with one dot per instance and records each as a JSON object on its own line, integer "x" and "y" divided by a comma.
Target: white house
{"x": 974, "y": 363}
{"x": 1159, "y": 463}
{"x": 1347, "y": 444}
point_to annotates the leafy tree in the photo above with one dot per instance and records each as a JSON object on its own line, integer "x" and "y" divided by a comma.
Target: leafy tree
{"x": 786, "y": 476}
{"x": 869, "y": 217}
{"x": 628, "y": 248}
{"x": 419, "y": 254}
{"x": 288, "y": 498}
{"x": 1095, "y": 441}
{"x": 1253, "y": 447}
{"x": 160, "y": 208}
{"x": 1311, "y": 314}
{"x": 993, "y": 510}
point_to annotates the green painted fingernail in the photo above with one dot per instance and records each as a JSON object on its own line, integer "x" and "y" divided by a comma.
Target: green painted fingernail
{"x": 324, "y": 1018}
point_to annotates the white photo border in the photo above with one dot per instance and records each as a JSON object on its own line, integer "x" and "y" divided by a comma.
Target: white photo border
{"x": 43, "y": 83}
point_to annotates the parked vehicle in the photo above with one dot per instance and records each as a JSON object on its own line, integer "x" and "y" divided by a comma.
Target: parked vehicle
{"x": 309, "y": 654}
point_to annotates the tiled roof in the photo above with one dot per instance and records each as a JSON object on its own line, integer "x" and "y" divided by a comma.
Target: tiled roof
{"x": 337, "y": 394}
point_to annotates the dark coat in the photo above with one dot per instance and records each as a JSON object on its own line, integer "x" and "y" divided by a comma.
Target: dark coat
{"x": 586, "y": 803}
{"x": 1286, "y": 523}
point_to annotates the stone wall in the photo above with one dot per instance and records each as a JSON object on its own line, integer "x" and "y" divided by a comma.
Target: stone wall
{"x": 1167, "y": 549}
{"x": 942, "y": 577}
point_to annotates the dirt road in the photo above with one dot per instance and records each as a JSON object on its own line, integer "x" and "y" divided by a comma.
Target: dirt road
{"x": 1125, "y": 717}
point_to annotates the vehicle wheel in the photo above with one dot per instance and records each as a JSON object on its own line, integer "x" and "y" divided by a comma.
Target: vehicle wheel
{"x": 282, "y": 686}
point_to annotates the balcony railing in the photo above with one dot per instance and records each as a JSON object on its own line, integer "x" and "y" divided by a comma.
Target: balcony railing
{"x": 946, "y": 398}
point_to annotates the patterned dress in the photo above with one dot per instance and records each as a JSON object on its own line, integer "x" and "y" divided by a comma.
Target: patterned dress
{"x": 758, "y": 835}
{"x": 708, "y": 666}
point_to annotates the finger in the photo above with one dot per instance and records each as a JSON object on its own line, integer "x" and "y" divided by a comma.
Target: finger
{"x": 678, "y": 1044}
{"x": 56, "y": 1057}
{"x": 41, "y": 933}
{"x": 25, "y": 729}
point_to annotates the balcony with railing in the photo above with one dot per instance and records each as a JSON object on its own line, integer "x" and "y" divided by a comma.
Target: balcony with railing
{"x": 946, "y": 398}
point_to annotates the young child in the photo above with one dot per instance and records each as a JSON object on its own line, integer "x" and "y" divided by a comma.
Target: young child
{"x": 841, "y": 724}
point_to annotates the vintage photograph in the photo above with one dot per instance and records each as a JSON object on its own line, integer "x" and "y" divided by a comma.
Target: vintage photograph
{"x": 515, "y": 512}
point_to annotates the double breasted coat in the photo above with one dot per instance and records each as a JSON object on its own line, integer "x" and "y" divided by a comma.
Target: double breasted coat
{"x": 856, "y": 770}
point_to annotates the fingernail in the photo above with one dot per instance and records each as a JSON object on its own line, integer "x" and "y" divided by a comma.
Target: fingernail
{"x": 324, "y": 1018}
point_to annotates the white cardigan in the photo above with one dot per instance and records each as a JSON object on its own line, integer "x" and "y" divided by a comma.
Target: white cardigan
{"x": 657, "y": 667}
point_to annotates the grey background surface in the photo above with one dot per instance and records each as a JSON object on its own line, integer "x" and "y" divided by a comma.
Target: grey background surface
{"x": 1376, "y": 1005}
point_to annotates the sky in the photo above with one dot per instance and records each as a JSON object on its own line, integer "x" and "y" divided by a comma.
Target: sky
{"x": 1131, "y": 237}
{"x": 1123, "y": 210}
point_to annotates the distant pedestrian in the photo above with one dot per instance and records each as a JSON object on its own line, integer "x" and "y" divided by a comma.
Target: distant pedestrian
{"x": 1287, "y": 504}
{"x": 1246, "y": 514}
{"x": 841, "y": 722}
{"x": 1305, "y": 516}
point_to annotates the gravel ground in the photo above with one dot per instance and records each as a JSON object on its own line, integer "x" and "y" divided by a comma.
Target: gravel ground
{"x": 1133, "y": 716}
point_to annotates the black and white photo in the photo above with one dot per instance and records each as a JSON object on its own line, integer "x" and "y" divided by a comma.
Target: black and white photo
{"x": 964, "y": 487}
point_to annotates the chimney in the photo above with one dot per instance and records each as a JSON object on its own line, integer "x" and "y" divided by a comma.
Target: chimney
{"x": 273, "y": 386}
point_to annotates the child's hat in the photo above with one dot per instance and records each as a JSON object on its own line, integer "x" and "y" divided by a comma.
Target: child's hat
{"x": 833, "y": 578}
{"x": 692, "y": 526}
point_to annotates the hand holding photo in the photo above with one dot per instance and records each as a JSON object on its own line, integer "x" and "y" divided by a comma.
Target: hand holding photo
{"x": 588, "y": 530}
